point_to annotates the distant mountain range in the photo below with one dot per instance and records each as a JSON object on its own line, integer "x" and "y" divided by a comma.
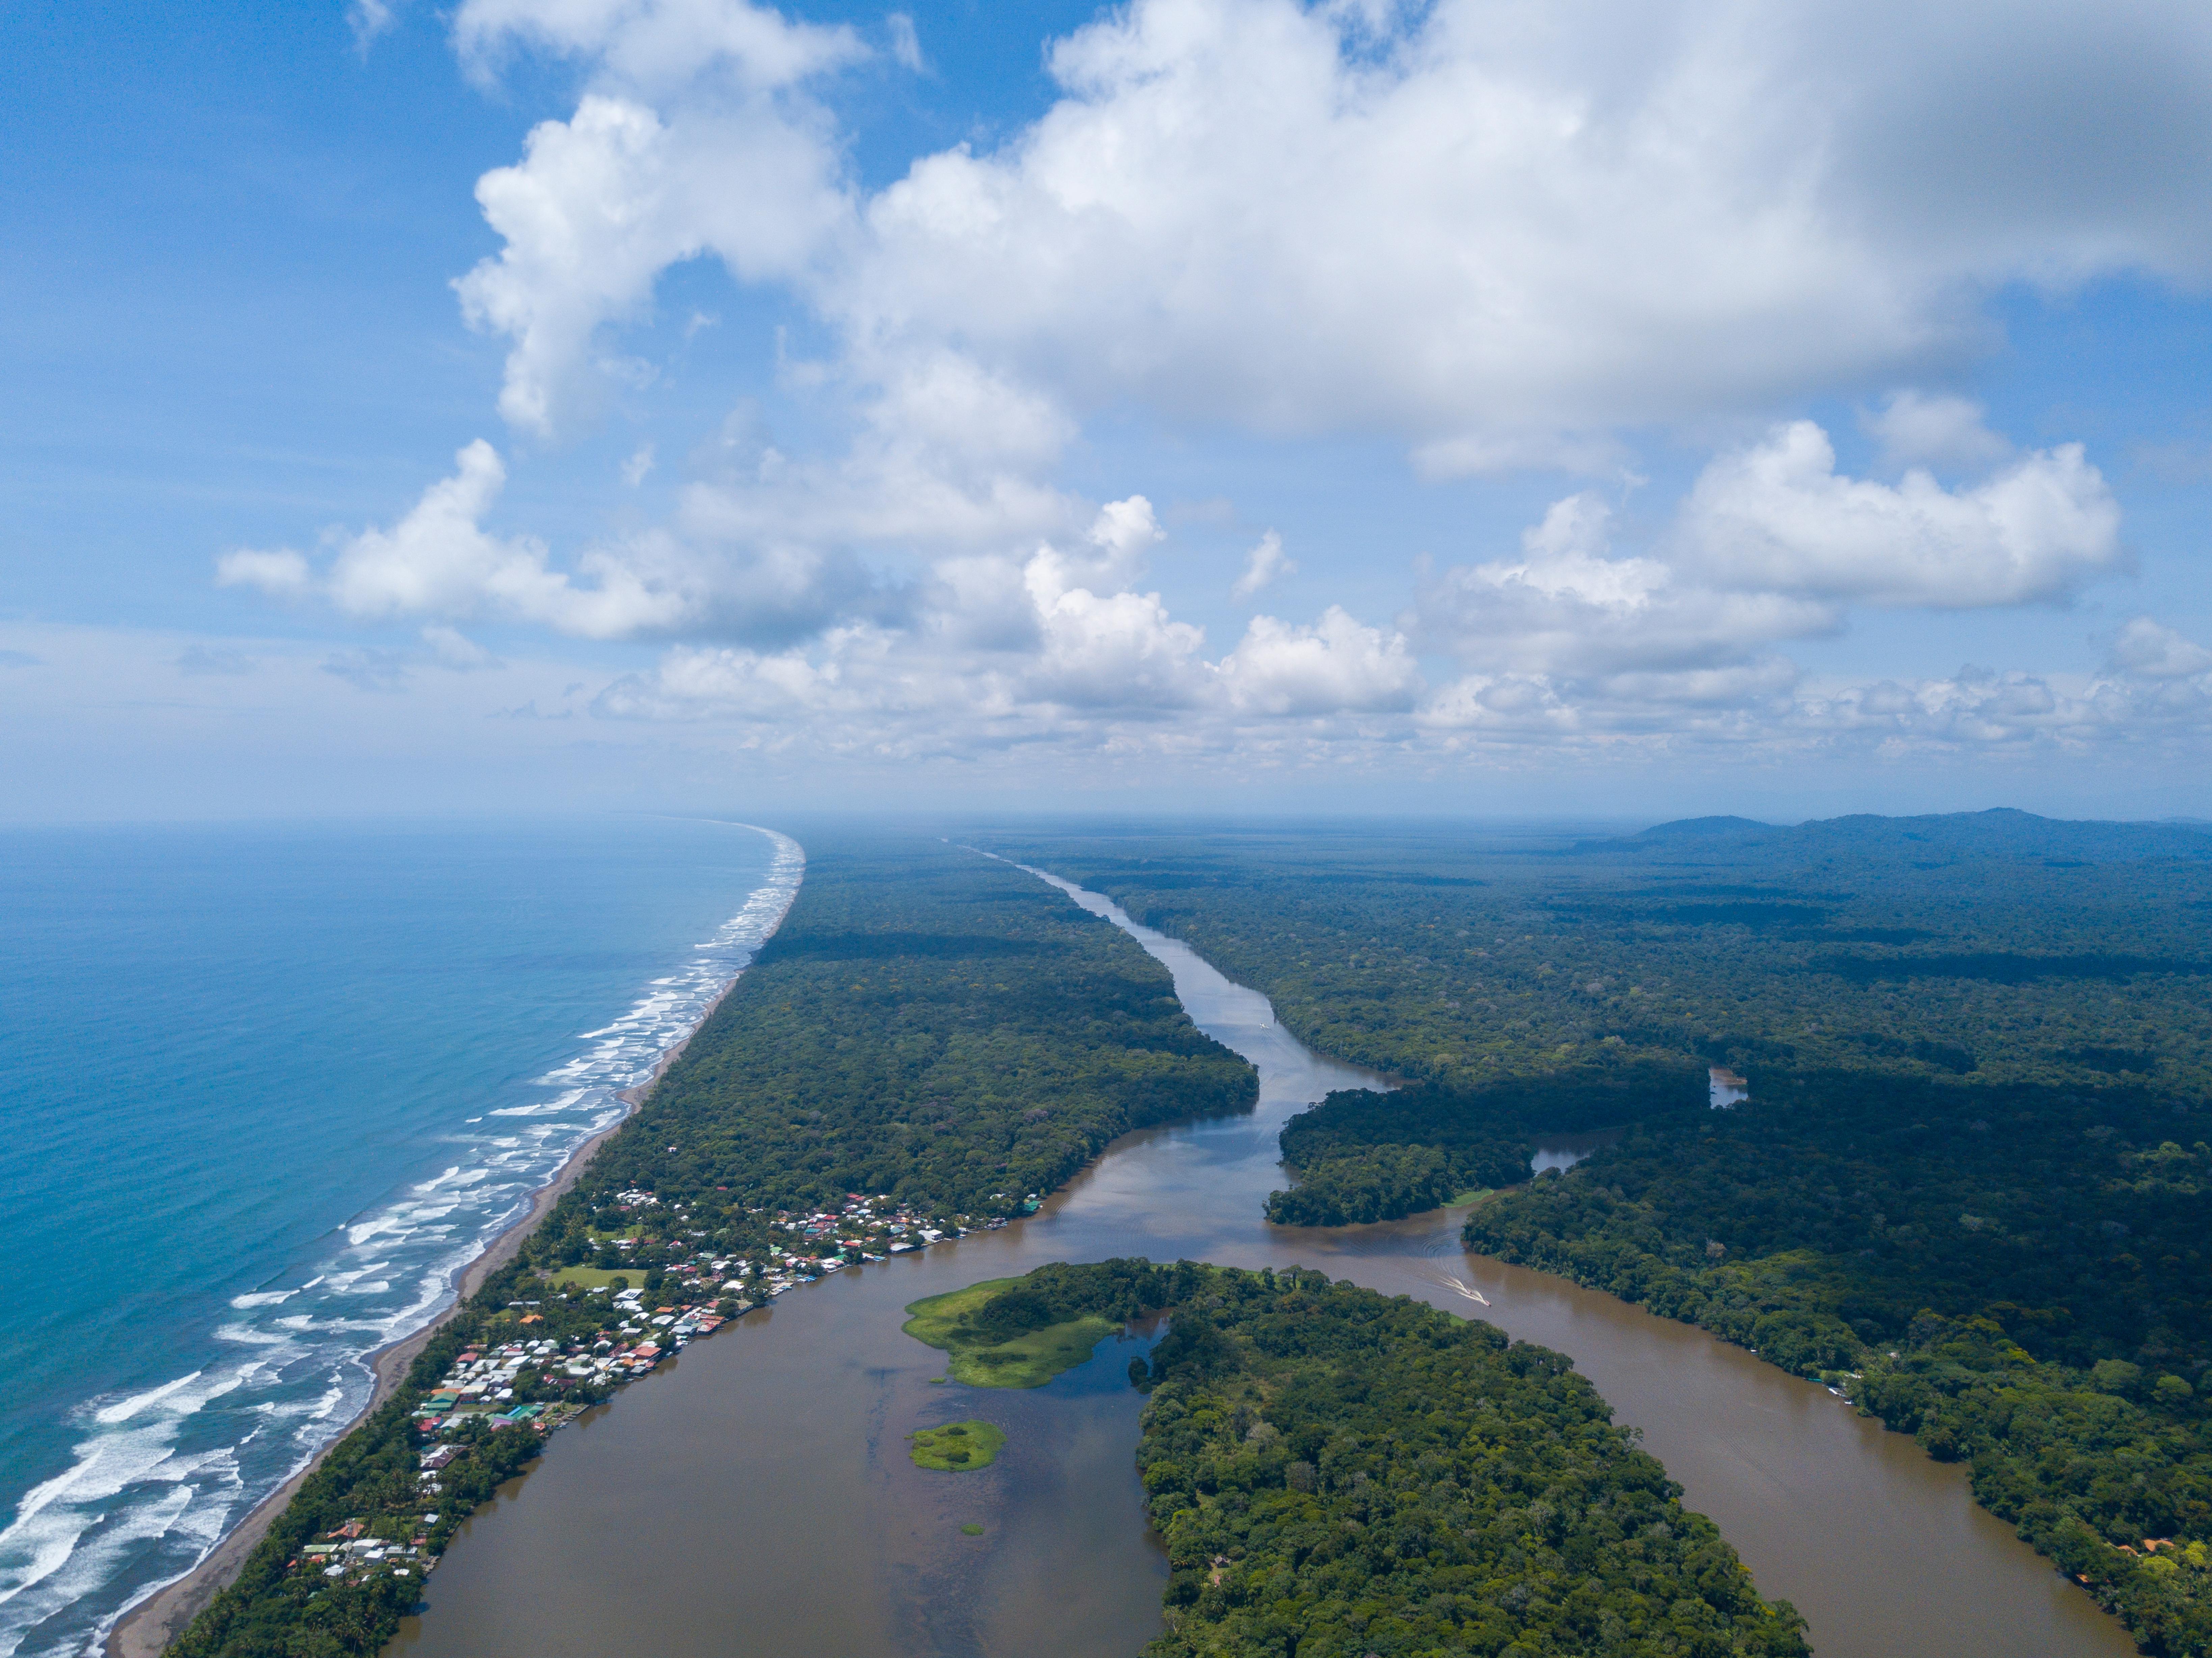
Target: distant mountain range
{"x": 2000, "y": 832}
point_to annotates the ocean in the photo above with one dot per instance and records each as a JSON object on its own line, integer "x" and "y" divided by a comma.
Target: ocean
{"x": 262, "y": 1090}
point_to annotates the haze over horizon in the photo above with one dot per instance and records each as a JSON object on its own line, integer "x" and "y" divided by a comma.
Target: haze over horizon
{"x": 1215, "y": 405}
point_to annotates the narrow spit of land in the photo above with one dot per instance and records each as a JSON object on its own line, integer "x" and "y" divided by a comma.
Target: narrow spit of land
{"x": 149, "y": 1627}
{"x": 1010, "y": 1039}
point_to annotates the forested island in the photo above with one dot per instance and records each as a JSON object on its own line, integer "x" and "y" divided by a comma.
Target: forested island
{"x": 931, "y": 1041}
{"x": 1335, "y": 1471}
{"x": 1970, "y": 1187}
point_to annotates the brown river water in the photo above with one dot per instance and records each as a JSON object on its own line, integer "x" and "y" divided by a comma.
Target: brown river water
{"x": 754, "y": 1496}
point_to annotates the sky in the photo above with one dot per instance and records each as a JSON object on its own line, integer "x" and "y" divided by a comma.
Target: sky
{"x": 1624, "y": 408}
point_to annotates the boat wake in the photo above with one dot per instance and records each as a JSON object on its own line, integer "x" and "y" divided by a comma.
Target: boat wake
{"x": 1459, "y": 1287}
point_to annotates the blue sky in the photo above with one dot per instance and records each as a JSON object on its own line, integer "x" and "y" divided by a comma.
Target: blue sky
{"x": 1213, "y": 403}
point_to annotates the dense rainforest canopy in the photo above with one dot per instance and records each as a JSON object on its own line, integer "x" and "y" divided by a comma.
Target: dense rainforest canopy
{"x": 1337, "y": 1472}
{"x": 1995, "y": 944}
{"x": 928, "y": 1024}
{"x": 1971, "y": 1185}
{"x": 1363, "y": 1156}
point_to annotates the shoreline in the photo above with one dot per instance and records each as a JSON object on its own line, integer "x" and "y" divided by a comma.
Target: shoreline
{"x": 145, "y": 1629}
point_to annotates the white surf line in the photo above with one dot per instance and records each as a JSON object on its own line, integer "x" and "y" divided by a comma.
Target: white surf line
{"x": 624, "y": 1054}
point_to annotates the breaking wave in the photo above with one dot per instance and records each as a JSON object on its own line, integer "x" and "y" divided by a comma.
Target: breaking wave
{"x": 159, "y": 1476}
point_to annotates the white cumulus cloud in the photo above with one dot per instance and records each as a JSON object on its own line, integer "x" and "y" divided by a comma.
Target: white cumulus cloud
{"x": 439, "y": 561}
{"x": 1263, "y": 565}
{"x": 603, "y": 203}
{"x": 1338, "y": 666}
{"x": 1569, "y": 606}
{"x": 1499, "y": 236}
{"x": 660, "y": 45}
{"x": 1500, "y": 233}
{"x": 281, "y": 572}
{"x": 1916, "y": 429}
{"x": 1778, "y": 516}
{"x": 2157, "y": 652}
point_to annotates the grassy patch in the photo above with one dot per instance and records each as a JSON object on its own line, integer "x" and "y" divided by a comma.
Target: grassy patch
{"x": 597, "y": 1278}
{"x": 956, "y": 1447}
{"x": 971, "y": 1529}
{"x": 1474, "y": 1196}
{"x": 1030, "y": 1360}
{"x": 932, "y": 1319}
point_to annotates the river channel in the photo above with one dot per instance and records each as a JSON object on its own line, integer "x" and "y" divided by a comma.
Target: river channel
{"x": 754, "y": 1496}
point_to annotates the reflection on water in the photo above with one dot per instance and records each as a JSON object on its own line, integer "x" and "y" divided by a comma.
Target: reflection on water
{"x": 1563, "y": 1151}
{"x": 757, "y": 1497}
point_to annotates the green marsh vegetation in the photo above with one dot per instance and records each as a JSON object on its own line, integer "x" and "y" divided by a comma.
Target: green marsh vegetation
{"x": 1973, "y": 1170}
{"x": 989, "y": 1345}
{"x": 983, "y": 1331}
{"x": 927, "y": 1023}
{"x": 956, "y": 1447}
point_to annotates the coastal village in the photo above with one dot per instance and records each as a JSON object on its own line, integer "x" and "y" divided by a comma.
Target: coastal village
{"x": 592, "y": 1332}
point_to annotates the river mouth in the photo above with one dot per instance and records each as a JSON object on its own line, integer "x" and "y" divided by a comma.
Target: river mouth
{"x": 757, "y": 1497}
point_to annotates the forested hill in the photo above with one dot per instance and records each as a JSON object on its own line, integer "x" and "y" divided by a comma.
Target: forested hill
{"x": 1337, "y": 1472}
{"x": 927, "y": 1023}
{"x": 2001, "y": 834}
{"x": 1974, "y": 1166}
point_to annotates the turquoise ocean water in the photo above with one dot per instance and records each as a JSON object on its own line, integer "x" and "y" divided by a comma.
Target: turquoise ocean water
{"x": 262, "y": 1090}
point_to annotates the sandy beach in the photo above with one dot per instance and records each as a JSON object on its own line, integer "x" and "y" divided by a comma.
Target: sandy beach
{"x": 145, "y": 1629}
